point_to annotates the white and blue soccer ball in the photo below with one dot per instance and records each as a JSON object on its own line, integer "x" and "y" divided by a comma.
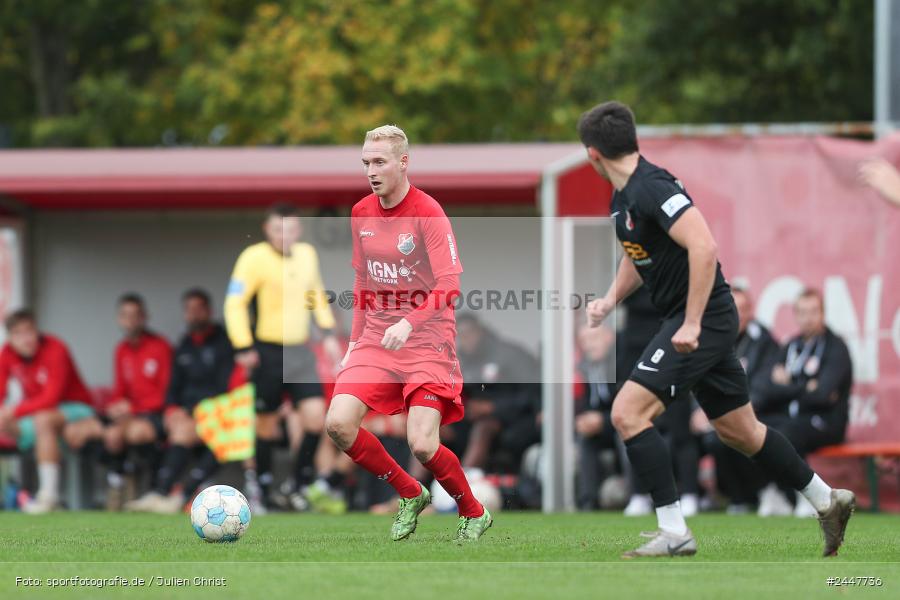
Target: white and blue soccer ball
{"x": 220, "y": 513}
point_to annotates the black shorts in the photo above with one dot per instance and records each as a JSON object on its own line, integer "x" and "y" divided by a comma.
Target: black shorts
{"x": 284, "y": 370}
{"x": 712, "y": 371}
{"x": 155, "y": 419}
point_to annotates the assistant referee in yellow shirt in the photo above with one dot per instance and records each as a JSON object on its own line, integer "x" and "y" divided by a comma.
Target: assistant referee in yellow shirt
{"x": 282, "y": 276}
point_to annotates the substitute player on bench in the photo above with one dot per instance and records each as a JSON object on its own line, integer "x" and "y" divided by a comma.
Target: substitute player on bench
{"x": 669, "y": 248}
{"x": 402, "y": 354}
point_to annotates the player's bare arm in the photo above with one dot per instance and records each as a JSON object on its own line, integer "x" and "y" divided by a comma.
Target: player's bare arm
{"x": 626, "y": 282}
{"x": 692, "y": 233}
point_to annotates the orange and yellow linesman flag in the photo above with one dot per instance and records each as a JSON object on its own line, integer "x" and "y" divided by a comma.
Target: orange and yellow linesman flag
{"x": 226, "y": 424}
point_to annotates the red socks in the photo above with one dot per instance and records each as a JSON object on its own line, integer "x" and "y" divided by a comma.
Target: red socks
{"x": 447, "y": 470}
{"x": 368, "y": 453}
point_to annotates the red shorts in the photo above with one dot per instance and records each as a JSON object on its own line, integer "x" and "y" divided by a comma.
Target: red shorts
{"x": 389, "y": 382}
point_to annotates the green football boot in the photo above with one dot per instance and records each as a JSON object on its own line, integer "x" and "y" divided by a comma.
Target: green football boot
{"x": 408, "y": 516}
{"x": 324, "y": 500}
{"x": 470, "y": 529}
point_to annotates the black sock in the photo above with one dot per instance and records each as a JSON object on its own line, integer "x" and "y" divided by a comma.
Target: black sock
{"x": 173, "y": 464}
{"x": 114, "y": 462}
{"x": 335, "y": 480}
{"x": 780, "y": 461}
{"x": 652, "y": 466}
{"x": 264, "y": 449}
{"x": 305, "y": 468}
{"x": 206, "y": 465}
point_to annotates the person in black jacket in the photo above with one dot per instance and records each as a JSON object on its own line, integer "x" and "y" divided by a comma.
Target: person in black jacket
{"x": 806, "y": 395}
{"x": 501, "y": 394}
{"x": 594, "y": 429}
{"x": 737, "y": 477}
{"x": 202, "y": 367}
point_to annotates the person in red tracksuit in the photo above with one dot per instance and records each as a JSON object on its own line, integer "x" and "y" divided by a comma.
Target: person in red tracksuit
{"x": 143, "y": 364}
{"x": 54, "y": 402}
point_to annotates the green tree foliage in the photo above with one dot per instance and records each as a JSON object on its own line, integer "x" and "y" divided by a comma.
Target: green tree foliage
{"x": 149, "y": 72}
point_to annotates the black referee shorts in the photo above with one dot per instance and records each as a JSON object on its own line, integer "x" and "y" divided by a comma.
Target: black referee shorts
{"x": 713, "y": 371}
{"x": 284, "y": 370}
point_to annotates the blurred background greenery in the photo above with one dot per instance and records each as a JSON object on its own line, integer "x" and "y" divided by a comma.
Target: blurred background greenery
{"x": 245, "y": 72}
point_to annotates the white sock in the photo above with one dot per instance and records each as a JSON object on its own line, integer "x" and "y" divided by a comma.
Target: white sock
{"x": 818, "y": 493}
{"x": 670, "y": 518}
{"x": 48, "y": 481}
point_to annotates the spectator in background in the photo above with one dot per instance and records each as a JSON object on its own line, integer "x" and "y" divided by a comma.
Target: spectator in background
{"x": 807, "y": 392}
{"x": 55, "y": 403}
{"x": 501, "y": 395}
{"x": 201, "y": 369}
{"x": 596, "y": 370}
{"x": 143, "y": 362}
{"x": 883, "y": 177}
{"x": 738, "y": 477}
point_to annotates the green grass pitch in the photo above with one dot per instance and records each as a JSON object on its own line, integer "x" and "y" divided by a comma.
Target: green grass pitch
{"x": 523, "y": 556}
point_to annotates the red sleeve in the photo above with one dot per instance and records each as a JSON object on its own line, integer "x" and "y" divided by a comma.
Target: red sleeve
{"x": 359, "y": 281}
{"x": 443, "y": 255}
{"x": 445, "y": 291}
{"x": 359, "y": 306}
{"x": 118, "y": 391}
{"x": 4, "y": 375}
{"x": 59, "y": 372}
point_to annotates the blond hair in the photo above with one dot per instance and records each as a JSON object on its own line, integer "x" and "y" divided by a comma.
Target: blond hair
{"x": 392, "y": 134}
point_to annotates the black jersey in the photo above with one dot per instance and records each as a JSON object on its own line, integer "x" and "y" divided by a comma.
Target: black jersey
{"x": 643, "y": 211}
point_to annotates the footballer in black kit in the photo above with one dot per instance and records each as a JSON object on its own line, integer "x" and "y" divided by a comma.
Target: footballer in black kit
{"x": 670, "y": 250}
{"x": 644, "y": 210}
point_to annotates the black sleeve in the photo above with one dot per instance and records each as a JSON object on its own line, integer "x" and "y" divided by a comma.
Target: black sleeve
{"x": 663, "y": 200}
{"x": 176, "y": 382}
{"x": 224, "y": 365}
{"x": 771, "y": 395}
{"x": 834, "y": 374}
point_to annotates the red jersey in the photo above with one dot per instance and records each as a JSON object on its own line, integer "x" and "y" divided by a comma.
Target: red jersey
{"x": 399, "y": 254}
{"x": 142, "y": 370}
{"x": 47, "y": 379}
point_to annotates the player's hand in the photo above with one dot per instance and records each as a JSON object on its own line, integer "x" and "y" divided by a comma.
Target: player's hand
{"x": 699, "y": 423}
{"x": 344, "y": 360}
{"x": 249, "y": 359}
{"x": 780, "y": 375}
{"x": 118, "y": 409}
{"x": 396, "y": 335}
{"x": 7, "y": 416}
{"x": 589, "y": 423}
{"x": 687, "y": 338}
{"x": 881, "y": 175}
{"x": 597, "y": 310}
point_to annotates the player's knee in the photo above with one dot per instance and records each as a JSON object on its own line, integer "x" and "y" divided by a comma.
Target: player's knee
{"x": 113, "y": 439}
{"x": 423, "y": 446}
{"x": 626, "y": 422}
{"x": 139, "y": 433}
{"x": 47, "y": 421}
{"x": 341, "y": 430}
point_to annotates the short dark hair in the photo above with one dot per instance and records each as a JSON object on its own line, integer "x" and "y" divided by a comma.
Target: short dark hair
{"x": 282, "y": 209}
{"x": 609, "y": 127}
{"x": 812, "y": 293}
{"x": 23, "y": 315}
{"x": 132, "y": 298}
{"x": 199, "y": 294}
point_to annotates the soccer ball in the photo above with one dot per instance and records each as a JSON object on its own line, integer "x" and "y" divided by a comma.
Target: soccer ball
{"x": 220, "y": 513}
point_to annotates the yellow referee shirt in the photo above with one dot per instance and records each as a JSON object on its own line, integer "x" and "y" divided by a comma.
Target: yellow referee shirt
{"x": 287, "y": 290}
